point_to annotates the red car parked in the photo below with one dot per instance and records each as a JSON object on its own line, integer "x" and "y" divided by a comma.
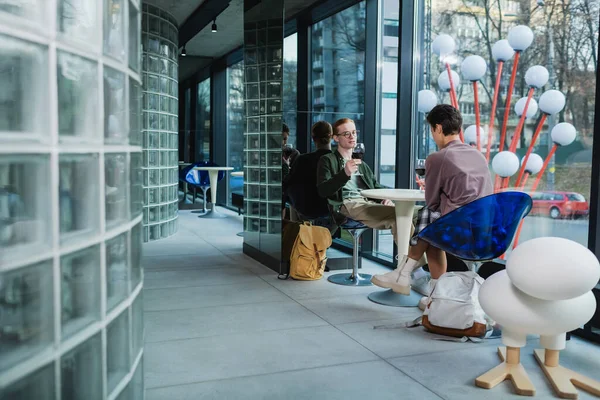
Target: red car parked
{"x": 559, "y": 204}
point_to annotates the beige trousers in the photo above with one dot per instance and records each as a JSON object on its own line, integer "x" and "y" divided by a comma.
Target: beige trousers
{"x": 373, "y": 215}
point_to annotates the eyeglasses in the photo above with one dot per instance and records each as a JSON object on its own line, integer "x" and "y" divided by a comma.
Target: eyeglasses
{"x": 347, "y": 134}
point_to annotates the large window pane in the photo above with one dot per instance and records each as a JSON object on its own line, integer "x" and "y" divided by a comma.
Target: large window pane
{"x": 566, "y": 38}
{"x": 290, "y": 85}
{"x": 203, "y": 122}
{"x": 235, "y": 128}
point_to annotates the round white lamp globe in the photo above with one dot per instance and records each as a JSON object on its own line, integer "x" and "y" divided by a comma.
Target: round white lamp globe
{"x": 502, "y": 51}
{"x": 426, "y": 101}
{"x": 505, "y": 164}
{"x": 473, "y": 68}
{"x": 552, "y": 102}
{"x": 520, "y": 37}
{"x": 552, "y": 268}
{"x": 563, "y": 134}
{"x": 443, "y": 45}
{"x": 444, "y": 82}
{"x": 537, "y": 76}
{"x": 532, "y": 109}
{"x": 534, "y": 164}
{"x": 470, "y": 135}
{"x": 520, "y": 314}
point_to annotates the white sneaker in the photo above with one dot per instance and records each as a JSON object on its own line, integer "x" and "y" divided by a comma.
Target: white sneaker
{"x": 399, "y": 279}
{"x": 424, "y": 302}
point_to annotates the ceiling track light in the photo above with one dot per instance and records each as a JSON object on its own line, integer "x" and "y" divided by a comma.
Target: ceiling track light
{"x": 214, "y": 25}
{"x": 183, "y": 52}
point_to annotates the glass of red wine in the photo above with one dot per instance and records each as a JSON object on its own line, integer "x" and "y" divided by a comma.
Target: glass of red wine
{"x": 358, "y": 153}
{"x": 420, "y": 169}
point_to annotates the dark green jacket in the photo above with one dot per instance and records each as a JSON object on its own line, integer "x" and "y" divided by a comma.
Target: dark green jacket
{"x": 331, "y": 178}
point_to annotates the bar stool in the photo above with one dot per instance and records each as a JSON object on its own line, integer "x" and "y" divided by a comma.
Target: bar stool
{"x": 356, "y": 229}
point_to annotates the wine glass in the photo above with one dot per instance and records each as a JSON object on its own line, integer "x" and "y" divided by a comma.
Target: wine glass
{"x": 420, "y": 169}
{"x": 358, "y": 153}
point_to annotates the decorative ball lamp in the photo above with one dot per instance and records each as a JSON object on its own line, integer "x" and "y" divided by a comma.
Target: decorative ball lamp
{"x": 473, "y": 69}
{"x": 519, "y": 38}
{"x": 426, "y": 101}
{"x": 551, "y": 102}
{"x": 446, "y": 84}
{"x": 536, "y": 77}
{"x": 505, "y": 164}
{"x": 532, "y": 166}
{"x": 562, "y": 134}
{"x": 443, "y": 45}
{"x": 538, "y": 294}
{"x": 502, "y": 52}
{"x": 532, "y": 109}
{"x": 472, "y": 134}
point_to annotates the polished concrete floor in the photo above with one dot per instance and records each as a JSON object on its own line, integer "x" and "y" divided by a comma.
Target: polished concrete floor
{"x": 222, "y": 326}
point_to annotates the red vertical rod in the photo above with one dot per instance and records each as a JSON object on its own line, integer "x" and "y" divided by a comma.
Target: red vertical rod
{"x": 530, "y": 148}
{"x": 513, "y": 77}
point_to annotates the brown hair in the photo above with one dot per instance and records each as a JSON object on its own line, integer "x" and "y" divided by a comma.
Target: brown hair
{"x": 321, "y": 132}
{"x": 339, "y": 122}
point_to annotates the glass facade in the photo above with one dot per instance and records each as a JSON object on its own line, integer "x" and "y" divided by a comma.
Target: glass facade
{"x": 203, "y": 122}
{"x": 70, "y": 204}
{"x": 159, "y": 122}
{"x": 235, "y": 129}
{"x": 290, "y": 85}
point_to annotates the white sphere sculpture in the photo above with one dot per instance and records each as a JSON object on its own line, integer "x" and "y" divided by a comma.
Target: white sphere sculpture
{"x": 532, "y": 109}
{"x": 520, "y": 37}
{"x": 444, "y": 82}
{"x": 534, "y": 164}
{"x": 552, "y": 102}
{"x": 505, "y": 164}
{"x": 563, "y": 134}
{"x": 520, "y": 314}
{"x": 537, "y": 76}
{"x": 426, "y": 101}
{"x": 470, "y": 135}
{"x": 552, "y": 268}
{"x": 473, "y": 68}
{"x": 502, "y": 51}
{"x": 443, "y": 45}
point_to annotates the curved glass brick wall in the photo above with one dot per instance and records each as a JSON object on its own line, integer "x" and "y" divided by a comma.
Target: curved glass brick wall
{"x": 160, "y": 126}
{"x": 70, "y": 200}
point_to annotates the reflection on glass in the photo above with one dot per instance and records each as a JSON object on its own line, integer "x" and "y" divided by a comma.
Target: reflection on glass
{"x": 135, "y": 113}
{"x": 134, "y": 38}
{"x": 136, "y": 254}
{"x": 78, "y": 195}
{"x": 116, "y": 270}
{"x": 114, "y": 107}
{"x": 115, "y": 174}
{"x": 203, "y": 122}
{"x": 137, "y": 316}
{"x": 114, "y": 30}
{"x": 24, "y": 214}
{"x": 235, "y": 130}
{"x": 77, "y": 96}
{"x": 39, "y": 386}
{"x": 117, "y": 354}
{"x": 80, "y": 290}
{"x": 26, "y": 312}
{"x": 32, "y": 10}
{"x": 77, "y": 19}
{"x": 81, "y": 371}
{"x": 136, "y": 190}
{"x": 24, "y": 88}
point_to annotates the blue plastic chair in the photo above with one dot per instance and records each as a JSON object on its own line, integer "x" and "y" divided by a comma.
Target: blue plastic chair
{"x": 200, "y": 179}
{"x": 356, "y": 229}
{"x": 481, "y": 230}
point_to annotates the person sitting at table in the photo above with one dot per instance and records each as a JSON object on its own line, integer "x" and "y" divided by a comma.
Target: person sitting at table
{"x": 301, "y": 184}
{"x": 454, "y": 176}
{"x": 340, "y": 179}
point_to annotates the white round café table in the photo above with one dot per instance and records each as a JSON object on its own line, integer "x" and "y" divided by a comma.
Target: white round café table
{"x": 185, "y": 185}
{"x": 404, "y": 201}
{"x": 213, "y": 175}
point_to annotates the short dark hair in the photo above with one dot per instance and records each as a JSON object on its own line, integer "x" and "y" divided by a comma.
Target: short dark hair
{"x": 285, "y": 128}
{"x": 448, "y": 117}
{"x": 321, "y": 132}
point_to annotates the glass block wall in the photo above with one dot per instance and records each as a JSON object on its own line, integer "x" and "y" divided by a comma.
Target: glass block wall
{"x": 160, "y": 125}
{"x": 70, "y": 200}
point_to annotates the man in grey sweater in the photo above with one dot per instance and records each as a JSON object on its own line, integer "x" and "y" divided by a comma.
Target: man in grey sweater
{"x": 455, "y": 175}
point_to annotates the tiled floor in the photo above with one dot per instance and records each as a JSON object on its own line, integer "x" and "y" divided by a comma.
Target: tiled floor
{"x": 221, "y": 326}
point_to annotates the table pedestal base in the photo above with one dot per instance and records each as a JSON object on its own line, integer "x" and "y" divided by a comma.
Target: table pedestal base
{"x": 213, "y": 214}
{"x": 389, "y": 298}
{"x": 349, "y": 279}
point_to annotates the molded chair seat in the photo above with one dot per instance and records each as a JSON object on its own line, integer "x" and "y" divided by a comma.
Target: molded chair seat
{"x": 481, "y": 230}
{"x": 356, "y": 229}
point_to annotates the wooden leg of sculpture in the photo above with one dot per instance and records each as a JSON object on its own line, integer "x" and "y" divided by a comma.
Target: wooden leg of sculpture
{"x": 564, "y": 380}
{"x": 511, "y": 368}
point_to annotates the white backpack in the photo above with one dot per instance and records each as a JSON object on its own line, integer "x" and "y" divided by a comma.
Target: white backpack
{"x": 453, "y": 307}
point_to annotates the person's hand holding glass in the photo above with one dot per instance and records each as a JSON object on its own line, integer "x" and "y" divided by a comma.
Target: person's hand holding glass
{"x": 288, "y": 149}
{"x": 420, "y": 170}
{"x": 358, "y": 153}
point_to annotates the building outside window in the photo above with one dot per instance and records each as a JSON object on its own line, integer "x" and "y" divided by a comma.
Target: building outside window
{"x": 203, "y": 122}
{"x": 290, "y": 85}
{"x": 235, "y": 128}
